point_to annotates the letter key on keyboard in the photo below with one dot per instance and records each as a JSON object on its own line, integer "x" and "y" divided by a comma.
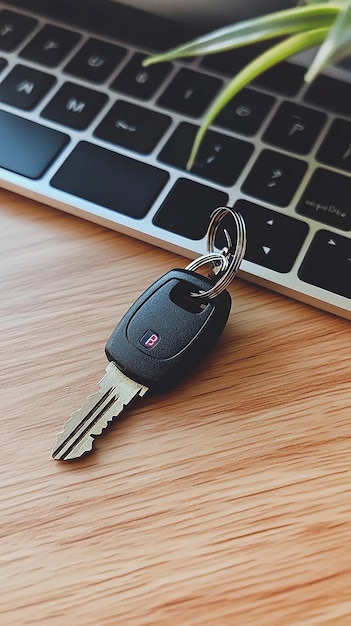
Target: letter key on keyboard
{"x": 160, "y": 338}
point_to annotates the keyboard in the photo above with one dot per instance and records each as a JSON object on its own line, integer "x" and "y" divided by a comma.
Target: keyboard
{"x": 85, "y": 128}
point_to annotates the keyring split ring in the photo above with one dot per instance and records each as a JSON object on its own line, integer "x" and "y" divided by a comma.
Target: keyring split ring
{"x": 212, "y": 258}
{"x": 229, "y": 258}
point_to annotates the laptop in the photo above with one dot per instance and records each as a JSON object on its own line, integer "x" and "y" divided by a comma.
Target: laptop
{"x": 85, "y": 128}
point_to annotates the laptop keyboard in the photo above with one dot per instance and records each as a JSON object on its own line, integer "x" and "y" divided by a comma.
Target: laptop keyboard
{"x": 85, "y": 128}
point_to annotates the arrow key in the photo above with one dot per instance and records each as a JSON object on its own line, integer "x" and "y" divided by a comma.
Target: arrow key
{"x": 273, "y": 240}
{"x": 327, "y": 263}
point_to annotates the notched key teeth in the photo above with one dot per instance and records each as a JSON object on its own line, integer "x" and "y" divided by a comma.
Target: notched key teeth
{"x": 79, "y": 433}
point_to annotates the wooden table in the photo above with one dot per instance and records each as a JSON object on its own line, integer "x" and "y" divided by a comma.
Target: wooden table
{"x": 226, "y": 501}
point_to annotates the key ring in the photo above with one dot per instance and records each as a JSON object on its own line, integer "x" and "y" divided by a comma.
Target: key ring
{"x": 229, "y": 258}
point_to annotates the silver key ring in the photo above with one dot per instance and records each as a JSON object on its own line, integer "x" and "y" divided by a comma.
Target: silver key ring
{"x": 229, "y": 258}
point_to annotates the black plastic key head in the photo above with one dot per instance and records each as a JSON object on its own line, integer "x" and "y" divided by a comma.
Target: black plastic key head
{"x": 167, "y": 331}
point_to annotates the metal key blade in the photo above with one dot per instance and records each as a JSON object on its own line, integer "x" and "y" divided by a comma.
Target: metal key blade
{"x": 117, "y": 392}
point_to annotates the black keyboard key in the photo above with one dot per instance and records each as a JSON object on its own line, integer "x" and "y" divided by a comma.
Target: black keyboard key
{"x": 331, "y": 94}
{"x": 74, "y": 106}
{"x": 96, "y": 60}
{"x": 14, "y": 27}
{"x": 285, "y": 79}
{"x": 274, "y": 177}
{"x": 50, "y": 45}
{"x": 231, "y": 62}
{"x": 141, "y": 82}
{"x": 190, "y": 92}
{"x": 221, "y": 158}
{"x": 24, "y": 87}
{"x": 110, "y": 180}
{"x": 327, "y": 199}
{"x": 327, "y": 263}
{"x": 133, "y": 127}
{"x": 3, "y": 63}
{"x": 295, "y": 128}
{"x": 273, "y": 240}
{"x": 187, "y": 208}
{"x": 28, "y": 148}
{"x": 336, "y": 147}
{"x": 245, "y": 112}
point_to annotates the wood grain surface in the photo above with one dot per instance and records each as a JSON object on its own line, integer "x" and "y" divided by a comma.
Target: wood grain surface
{"x": 226, "y": 501}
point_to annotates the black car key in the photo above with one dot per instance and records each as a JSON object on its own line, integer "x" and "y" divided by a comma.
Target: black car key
{"x": 164, "y": 334}
{"x": 157, "y": 342}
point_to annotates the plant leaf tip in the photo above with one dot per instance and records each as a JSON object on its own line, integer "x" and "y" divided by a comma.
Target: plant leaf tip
{"x": 152, "y": 60}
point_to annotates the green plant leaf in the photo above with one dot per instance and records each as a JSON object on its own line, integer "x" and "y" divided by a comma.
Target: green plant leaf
{"x": 267, "y": 59}
{"x": 286, "y": 22}
{"x": 337, "y": 44}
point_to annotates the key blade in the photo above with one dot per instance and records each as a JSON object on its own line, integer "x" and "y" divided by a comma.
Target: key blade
{"x": 117, "y": 391}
